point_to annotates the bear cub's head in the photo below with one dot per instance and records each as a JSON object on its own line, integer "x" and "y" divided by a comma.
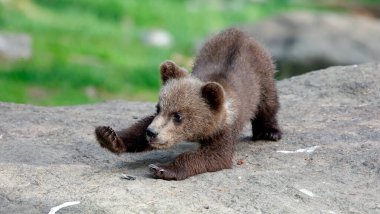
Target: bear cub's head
{"x": 188, "y": 109}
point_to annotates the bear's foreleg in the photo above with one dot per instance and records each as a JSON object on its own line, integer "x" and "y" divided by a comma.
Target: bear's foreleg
{"x": 132, "y": 139}
{"x": 209, "y": 158}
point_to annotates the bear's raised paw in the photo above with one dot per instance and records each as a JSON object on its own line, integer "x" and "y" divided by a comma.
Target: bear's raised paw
{"x": 108, "y": 138}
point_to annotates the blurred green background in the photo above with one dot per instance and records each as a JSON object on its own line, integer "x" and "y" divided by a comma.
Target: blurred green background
{"x": 86, "y": 51}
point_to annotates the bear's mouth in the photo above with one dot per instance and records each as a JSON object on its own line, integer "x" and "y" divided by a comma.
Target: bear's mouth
{"x": 155, "y": 143}
{"x": 151, "y": 140}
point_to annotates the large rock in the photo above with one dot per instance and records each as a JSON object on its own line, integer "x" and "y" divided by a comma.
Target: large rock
{"x": 303, "y": 41}
{"x": 328, "y": 161}
{"x": 14, "y": 46}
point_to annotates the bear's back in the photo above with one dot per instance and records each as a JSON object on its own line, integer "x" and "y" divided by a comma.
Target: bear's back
{"x": 240, "y": 64}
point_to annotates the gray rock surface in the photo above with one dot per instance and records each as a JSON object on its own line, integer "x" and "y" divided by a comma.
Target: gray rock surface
{"x": 304, "y": 41}
{"x": 328, "y": 161}
{"x": 15, "y": 46}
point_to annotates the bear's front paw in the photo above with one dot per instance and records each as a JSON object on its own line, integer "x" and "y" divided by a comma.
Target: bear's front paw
{"x": 164, "y": 172}
{"x": 108, "y": 138}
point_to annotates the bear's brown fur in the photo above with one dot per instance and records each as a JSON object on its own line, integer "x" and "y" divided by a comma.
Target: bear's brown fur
{"x": 231, "y": 84}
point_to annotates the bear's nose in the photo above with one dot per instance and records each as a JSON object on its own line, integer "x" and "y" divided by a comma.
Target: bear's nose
{"x": 151, "y": 133}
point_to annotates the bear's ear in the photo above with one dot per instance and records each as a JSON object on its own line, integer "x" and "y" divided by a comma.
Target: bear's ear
{"x": 169, "y": 70}
{"x": 213, "y": 93}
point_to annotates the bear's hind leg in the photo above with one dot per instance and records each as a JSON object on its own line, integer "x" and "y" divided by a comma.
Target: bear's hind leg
{"x": 264, "y": 123}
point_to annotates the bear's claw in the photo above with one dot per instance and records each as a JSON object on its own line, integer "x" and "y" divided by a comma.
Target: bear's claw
{"x": 270, "y": 134}
{"x": 155, "y": 169}
{"x": 163, "y": 172}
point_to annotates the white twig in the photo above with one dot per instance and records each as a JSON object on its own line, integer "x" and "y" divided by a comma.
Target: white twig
{"x": 55, "y": 209}
{"x": 307, "y": 192}
{"x": 307, "y": 150}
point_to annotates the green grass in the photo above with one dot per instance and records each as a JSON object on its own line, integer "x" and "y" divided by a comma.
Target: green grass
{"x": 96, "y": 44}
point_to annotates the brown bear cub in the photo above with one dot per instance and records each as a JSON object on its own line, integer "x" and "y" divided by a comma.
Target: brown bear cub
{"x": 231, "y": 84}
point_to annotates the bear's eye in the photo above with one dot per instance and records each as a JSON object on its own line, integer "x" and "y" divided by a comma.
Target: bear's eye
{"x": 158, "y": 109}
{"x": 177, "y": 117}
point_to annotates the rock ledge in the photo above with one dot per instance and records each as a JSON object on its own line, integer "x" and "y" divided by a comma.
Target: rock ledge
{"x": 328, "y": 161}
